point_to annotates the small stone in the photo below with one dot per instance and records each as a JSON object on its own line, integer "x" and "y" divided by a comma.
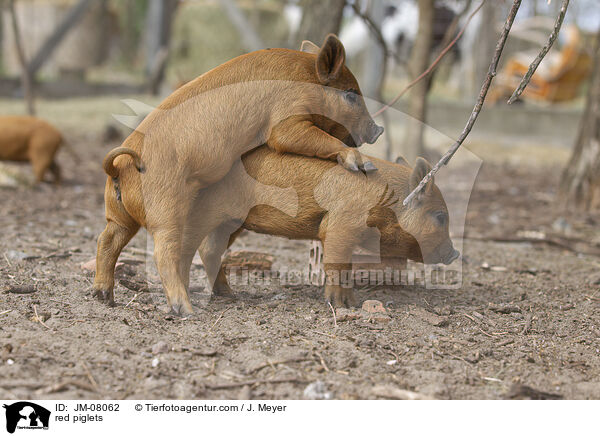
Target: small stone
{"x": 391, "y": 362}
{"x": 317, "y": 391}
{"x": 160, "y": 347}
{"x": 431, "y": 318}
{"x": 155, "y": 362}
{"x": 10, "y": 362}
{"x": 373, "y": 306}
{"x": 379, "y": 318}
{"x": 16, "y": 255}
{"x": 279, "y": 297}
{"x": 342, "y": 314}
{"x": 90, "y": 265}
{"x": 503, "y": 308}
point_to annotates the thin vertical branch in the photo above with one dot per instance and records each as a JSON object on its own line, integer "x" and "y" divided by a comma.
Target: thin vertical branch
{"x": 536, "y": 62}
{"x": 478, "y": 105}
{"x": 433, "y": 64}
{"x": 26, "y": 79}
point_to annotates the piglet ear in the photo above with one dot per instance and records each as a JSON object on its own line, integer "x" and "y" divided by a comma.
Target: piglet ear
{"x": 330, "y": 59}
{"x": 309, "y": 47}
{"x": 422, "y": 167}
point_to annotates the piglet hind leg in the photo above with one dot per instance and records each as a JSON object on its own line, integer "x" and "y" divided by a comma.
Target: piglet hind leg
{"x": 110, "y": 244}
{"x": 211, "y": 252}
{"x": 339, "y": 284}
{"x": 168, "y": 256}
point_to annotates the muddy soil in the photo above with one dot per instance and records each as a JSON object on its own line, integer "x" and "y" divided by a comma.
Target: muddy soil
{"x": 530, "y": 316}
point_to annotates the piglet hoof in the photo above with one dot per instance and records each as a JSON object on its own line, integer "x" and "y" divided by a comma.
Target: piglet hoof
{"x": 340, "y": 297}
{"x": 368, "y": 167}
{"x": 349, "y": 162}
{"x": 223, "y": 291}
{"x": 181, "y": 309}
{"x": 106, "y": 296}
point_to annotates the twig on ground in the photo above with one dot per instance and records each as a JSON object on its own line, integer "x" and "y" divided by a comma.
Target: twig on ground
{"x": 432, "y": 66}
{"x": 132, "y": 300}
{"x": 279, "y": 362}
{"x": 254, "y": 382}
{"x": 323, "y": 364}
{"x": 58, "y": 301}
{"x": 398, "y": 394}
{"x": 334, "y": 317}
{"x": 478, "y": 105}
{"x": 324, "y": 334}
{"x": 60, "y": 387}
{"x": 527, "y": 326}
{"x": 218, "y": 319}
{"x": 90, "y": 376}
{"x": 505, "y": 342}
{"x": 536, "y": 62}
{"x": 37, "y": 317}
{"x": 592, "y": 251}
{"x": 4, "y": 312}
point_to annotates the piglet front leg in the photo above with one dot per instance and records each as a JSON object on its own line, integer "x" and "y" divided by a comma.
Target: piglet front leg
{"x": 301, "y": 136}
{"x": 338, "y": 245}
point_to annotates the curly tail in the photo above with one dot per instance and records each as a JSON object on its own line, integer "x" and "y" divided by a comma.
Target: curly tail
{"x": 111, "y": 170}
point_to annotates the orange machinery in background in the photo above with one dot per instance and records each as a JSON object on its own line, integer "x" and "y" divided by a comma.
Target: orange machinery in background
{"x": 557, "y": 79}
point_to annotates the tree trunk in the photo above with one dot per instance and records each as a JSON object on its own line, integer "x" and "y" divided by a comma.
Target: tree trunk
{"x": 418, "y": 62}
{"x": 248, "y": 36}
{"x": 580, "y": 184}
{"x": 484, "y": 46}
{"x": 375, "y": 70}
{"x": 71, "y": 18}
{"x": 158, "y": 34}
{"x": 319, "y": 18}
{"x": 26, "y": 77}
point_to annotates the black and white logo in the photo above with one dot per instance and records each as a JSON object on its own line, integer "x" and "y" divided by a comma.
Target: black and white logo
{"x": 26, "y": 415}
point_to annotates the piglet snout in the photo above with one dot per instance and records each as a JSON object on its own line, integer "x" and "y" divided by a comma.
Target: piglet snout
{"x": 374, "y": 132}
{"x": 452, "y": 257}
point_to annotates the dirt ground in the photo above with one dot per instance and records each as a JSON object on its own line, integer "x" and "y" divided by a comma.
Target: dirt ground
{"x": 530, "y": 318}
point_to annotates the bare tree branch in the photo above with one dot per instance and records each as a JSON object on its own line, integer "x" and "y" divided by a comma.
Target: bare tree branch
{"x": 454, "y": 24}
{"x": 26, "y": 78}
{"x": 69, "y": 21}
{"x": 478, "y": 105}
{"x": 374, "y": 29}
{"x": 432, "y": 66}
{"x": 249, "y": 37}
{"x": 540, "y": 56}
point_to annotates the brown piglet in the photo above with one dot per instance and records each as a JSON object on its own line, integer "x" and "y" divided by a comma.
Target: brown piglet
{"x": 25, "y": 138}
{"x": 303, "y": 102}
{"x": 343, "y": 210}
{"x": 317, "y": 200}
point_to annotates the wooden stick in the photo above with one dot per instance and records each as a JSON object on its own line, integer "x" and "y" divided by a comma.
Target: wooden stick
{"x": 432, "y": 66}
{"x": 478, "y": 105}
{"x": 37, "y": 317}
{"x": 253, "y": 382}
{"x": 334, "y": 317}
{"x": 536, "y": 62}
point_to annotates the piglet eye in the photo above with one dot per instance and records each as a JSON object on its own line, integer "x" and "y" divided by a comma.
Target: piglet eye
{"x": 441, "y": 218}
{"x": 351, "y": 96}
